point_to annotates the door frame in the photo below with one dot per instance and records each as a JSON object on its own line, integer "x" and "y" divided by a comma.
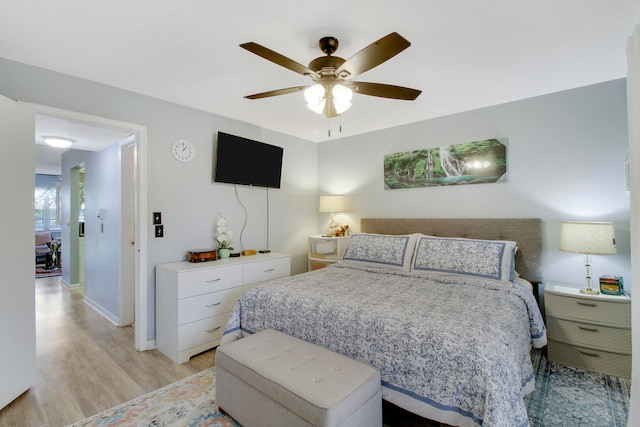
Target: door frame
{"x": 141, "y": 222}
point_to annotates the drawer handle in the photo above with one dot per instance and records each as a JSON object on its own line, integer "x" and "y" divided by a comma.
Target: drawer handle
{"x": 214, "y": 280}
{"x": 269, "y": 270}
{"x": 587, "y": 304}
{"x": 210, "y": 331}
{"x": 588, "y": 329}
{"x": 214, "y": 304}
{"x": 586, "y": 353}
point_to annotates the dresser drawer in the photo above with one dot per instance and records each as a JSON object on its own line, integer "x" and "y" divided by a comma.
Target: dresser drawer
{"x": 259, "y": 271}
{"x": 207, "y": 305}
{"x": 589, "y": 359}
{"x": 614, "y": 339}
{"x": 592, "y": 310}
{"x": 198, "y": 282}
{"x": 206, "y": 330}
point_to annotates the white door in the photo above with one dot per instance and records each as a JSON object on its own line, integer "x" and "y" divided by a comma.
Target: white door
{"x": 17, "y": 295}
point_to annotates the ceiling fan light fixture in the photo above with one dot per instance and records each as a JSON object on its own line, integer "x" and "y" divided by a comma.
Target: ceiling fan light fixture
{"x": 317, "y": 108}
{"x": 341, "y": 98}
{"x": 341, "y": 108}
{"x": 341, "y": 94}
{"x": 58, "y": 141}
{"x": 314, "y": 94}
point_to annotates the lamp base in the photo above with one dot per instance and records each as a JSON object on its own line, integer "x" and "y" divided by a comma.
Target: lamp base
{"x": 589, "y": 291}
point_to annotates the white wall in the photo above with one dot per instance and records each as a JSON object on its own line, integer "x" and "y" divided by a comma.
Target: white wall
{"x": 565, "y": 162}
{"x": 184, "y": 192}
{"x": 102, "y": 238}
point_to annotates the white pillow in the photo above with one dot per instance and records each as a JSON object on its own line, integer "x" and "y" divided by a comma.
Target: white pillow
{"x": 393, "y": 252}
{"x": 491, "y": 259}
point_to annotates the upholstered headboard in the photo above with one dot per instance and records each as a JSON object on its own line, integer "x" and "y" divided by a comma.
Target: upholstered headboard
{"x": 527, "y": 232}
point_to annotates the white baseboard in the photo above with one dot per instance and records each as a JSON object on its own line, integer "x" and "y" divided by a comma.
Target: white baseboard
{"x": 68, "y": 285}
{"x": 101, "y": 310}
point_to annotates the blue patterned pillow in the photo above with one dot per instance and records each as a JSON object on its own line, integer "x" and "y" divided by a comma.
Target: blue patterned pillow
{"x": 492, "y": 259}
{"x": 380, "y": 251}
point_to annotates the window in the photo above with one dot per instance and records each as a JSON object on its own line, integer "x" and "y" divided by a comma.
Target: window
{"x": 47, "y": 194}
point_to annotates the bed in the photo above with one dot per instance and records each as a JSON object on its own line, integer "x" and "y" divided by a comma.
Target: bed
{"x": 445, "y": 308}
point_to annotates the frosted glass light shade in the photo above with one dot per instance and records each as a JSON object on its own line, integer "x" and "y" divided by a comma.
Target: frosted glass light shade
{"x": 314, "y": 96}
{"x": 588, "y": 238}
{"x": 58, "y": 141}
{"x": 331, "y": 204}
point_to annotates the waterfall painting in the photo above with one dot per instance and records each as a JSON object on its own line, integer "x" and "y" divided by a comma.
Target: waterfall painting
{"x": 477, "y": 162}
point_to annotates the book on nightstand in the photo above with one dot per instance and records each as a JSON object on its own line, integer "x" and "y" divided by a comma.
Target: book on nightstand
{"x": 611, "y": 285}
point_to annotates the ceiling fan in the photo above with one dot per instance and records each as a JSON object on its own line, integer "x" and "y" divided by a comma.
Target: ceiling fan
{"x": 332, "y": 89}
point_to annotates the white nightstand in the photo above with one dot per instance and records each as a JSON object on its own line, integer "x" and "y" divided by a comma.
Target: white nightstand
{"x": 591, "y": 332}
{"x": 324, "y": 250}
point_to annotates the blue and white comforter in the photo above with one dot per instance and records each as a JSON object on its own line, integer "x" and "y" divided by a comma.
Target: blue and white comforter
{"x": 452, "y": 349}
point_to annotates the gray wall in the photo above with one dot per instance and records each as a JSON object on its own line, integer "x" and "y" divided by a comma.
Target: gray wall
{"x": 565, "y": 158}
{"x": 184, "y": 192}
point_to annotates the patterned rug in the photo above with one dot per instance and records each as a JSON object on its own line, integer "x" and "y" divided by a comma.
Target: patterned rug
{"x": 567, "y": 396}
{"x": 43, "y": 272}
{"x": 564, "y": 397}
{"x": 189, "y": 402}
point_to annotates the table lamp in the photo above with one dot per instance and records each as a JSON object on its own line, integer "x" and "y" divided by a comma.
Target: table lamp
{"x": 332, "y": 204}
{"x": 588, "y": 238}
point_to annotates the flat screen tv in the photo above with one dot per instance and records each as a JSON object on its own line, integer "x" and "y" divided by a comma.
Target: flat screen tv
{"x": 244, "y": 161}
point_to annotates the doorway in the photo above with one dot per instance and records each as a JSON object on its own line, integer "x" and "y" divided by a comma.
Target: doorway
{"x": 132, "y": 304}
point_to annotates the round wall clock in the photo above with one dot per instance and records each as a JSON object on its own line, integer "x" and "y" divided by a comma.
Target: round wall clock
{"x": 183, "y": 150}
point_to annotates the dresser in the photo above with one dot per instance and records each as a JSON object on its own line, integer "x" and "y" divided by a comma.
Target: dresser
{"x": 194, "y": 300}
{"x": 591, "y": 332}
{"x": 325, "y": 250}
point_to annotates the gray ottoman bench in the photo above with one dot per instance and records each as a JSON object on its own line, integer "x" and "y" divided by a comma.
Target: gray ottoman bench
{"x": 272, "y": 379}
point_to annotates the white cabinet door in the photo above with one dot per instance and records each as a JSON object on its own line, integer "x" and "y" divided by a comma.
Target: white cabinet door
{"x": 17, "y": 308}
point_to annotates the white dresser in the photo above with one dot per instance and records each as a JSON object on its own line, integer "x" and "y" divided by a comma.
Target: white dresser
{"x": 194, "y": 300}
{"x": 592, "y": 332}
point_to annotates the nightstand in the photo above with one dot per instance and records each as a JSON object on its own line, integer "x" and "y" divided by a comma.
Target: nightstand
{"x": 325, "y": 250}
{"x": 591, "y": 332}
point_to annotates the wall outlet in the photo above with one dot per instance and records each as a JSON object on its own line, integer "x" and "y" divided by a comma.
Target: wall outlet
{"x": 159, "y": 230}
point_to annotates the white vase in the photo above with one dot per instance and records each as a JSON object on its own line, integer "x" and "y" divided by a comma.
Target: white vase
{"x": 224, "y": 253}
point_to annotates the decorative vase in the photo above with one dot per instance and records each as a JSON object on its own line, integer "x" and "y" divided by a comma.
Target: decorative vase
{"x": 224, "y": 253}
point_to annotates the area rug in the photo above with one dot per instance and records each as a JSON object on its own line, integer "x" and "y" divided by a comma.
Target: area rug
{"x": 43, "y": 272}
{"x": 567, "y": 396}
{"x": 564, "y": 396}
{"x": 189, "y": 402}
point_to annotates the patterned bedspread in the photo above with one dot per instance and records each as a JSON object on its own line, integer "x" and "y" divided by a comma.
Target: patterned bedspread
{"x": 452, "y": 349}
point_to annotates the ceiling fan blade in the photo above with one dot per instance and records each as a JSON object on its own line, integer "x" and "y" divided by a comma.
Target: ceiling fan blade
{"x": 278, "y": 59}
{"x": 384, "y": 90}
{"x": 277, "y": 92}
{"x": 374, "y": 54}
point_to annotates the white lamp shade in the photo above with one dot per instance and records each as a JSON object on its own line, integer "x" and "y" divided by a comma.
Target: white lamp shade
{"x": 331, "y": 204}
{"x": 588, "y": 238}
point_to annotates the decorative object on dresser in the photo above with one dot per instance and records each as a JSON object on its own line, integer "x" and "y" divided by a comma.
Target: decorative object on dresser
{"x": 331, "y": 204}
{"x": 588, "y": 238}
{"x": 194, "y": 300}
{"x": 202, "y": 255}
{"x": 592, "y": 332}
{"x": 325, "y": 250}
{"x": 223, "y": 239}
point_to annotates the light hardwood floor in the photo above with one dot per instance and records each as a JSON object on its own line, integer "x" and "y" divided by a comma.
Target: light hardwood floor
{"x": 85, "y": 364}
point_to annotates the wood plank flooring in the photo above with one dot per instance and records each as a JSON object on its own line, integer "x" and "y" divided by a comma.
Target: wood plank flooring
{"x": 85, "y": 364}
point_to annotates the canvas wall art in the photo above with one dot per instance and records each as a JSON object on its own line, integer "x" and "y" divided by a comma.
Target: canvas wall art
{"x": 477, "y": 162}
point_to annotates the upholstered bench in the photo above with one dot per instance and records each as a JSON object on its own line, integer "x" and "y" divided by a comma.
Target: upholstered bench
{"x": 272, "y": 379}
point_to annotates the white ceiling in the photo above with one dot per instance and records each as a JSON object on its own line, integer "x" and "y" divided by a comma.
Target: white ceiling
{"x": 465, "y": 54}
{"x": 87, "y": 137}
